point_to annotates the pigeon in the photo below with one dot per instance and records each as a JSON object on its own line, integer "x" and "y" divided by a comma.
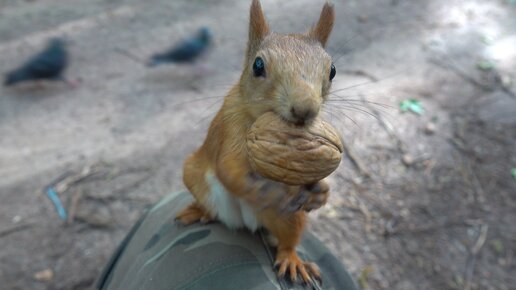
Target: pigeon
{"x": 185, "y": 52}
{"x": 49, "y": 64}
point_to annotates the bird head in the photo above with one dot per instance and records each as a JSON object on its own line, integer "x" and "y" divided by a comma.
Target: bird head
{"x": 205, "y": 34}
{"x": 56, "y": 42}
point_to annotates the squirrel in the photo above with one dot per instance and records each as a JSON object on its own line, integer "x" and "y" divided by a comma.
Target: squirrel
{"x": 290, "y": 75}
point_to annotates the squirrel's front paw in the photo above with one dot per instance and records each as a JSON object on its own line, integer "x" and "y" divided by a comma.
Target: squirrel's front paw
{"x": 287, "y": 198}
{"x": 309, "y": 197}
{"x": 319, "y": 193}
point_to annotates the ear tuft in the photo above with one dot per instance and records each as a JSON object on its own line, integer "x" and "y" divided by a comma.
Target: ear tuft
{"x": 258, "y": 27}
{"x": 322, "y": 30}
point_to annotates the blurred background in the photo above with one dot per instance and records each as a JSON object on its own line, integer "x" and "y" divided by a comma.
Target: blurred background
{"x": 425, "y": 99}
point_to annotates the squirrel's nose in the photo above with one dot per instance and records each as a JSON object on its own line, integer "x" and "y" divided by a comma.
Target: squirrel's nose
{"x": 302, "y": 115}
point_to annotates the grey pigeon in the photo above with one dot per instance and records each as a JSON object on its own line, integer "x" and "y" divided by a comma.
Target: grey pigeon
{"x": 49, "y": 64}
{"x": 186, "y": 51}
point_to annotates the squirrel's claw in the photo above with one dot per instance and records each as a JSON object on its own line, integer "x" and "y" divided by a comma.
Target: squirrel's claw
{"x": 318, "y": 194}
{"x": 309, "y": 197}
{"x": 309, "y": 272}
{"x": 297, "y": 202}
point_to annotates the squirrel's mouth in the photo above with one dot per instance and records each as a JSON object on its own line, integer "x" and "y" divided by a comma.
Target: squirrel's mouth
{"x": 298, "y": 122}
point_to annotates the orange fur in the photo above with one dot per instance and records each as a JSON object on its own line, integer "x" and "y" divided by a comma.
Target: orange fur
{"x": 297, "y": 77}
{"x": 258, "y": 27}
{"x": 324, "y": 26}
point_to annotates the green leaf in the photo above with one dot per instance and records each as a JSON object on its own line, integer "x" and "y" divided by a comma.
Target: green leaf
{"x": 497, "y": 246}
{"x": 412, "y": 105}
{"x": 362, "y": 279}
{"x": 513, "y": 173}
{"x": 487, "y": 40}
{"x": 485, "y": 65}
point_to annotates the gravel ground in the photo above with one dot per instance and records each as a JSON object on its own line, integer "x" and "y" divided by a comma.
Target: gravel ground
{"x": 420, "y": 201}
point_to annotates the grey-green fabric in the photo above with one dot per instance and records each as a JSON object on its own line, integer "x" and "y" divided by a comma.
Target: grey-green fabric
{"x": 160, "y": 254}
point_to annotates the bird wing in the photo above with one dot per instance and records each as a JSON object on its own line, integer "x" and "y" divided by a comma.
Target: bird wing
{"x": 48, "y": 64}
{"x": 187, "y": 51}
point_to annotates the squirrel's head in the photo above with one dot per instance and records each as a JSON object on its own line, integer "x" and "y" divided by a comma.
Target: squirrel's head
{"x": 288, "y": 74}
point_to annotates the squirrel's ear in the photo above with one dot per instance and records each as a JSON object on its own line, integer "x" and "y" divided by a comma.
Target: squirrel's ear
{"x": 322, "y": 30}
{"x": 258, "y": 27}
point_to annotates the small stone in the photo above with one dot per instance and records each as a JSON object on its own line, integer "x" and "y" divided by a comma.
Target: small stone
{"x": 405, "y": 212}
{"x": 506, "y": 80}
{"x": 430, "y": 128}
{"x": 408, "y": 159}
{"x": 16, "y": 219}
{"x": 331, "y": 213}
{"x": 362, "y": 18}
{"x": 45, "y": 275}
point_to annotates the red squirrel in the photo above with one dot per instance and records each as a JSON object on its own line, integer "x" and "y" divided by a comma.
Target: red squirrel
{"x": 291, "y": 76}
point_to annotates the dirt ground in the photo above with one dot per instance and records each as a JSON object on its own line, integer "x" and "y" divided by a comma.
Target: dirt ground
{"x": 419, "y": 202}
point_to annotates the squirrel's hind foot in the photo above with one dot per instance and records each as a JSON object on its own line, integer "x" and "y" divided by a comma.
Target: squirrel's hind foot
{"x": 194, "y": 213}
{"x": 289, "y": 261}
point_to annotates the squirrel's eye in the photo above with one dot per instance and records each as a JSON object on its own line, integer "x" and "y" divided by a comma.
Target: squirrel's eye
{"x": 259, "y": 67}
{"x": 333, "y": 71}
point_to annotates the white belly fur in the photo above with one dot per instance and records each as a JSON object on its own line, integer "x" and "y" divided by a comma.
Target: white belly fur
{"x": 233, "y": 212}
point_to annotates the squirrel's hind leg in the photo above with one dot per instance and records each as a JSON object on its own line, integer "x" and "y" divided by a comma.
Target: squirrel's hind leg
{"x": 194, "y": 213}
{"x": 288, "y": 230}
{"x": 194, "y": 171}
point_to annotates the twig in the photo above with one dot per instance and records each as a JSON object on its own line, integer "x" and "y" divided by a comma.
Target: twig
{"x": 76, "y": 197}
{"x": 508, "y": 91}
{"x": 106, "y": 199}
{"x": 356, "y": 160}
{"x": 63, "y": 185}
{"x": 472, "y": 181}
{"x": 472, "y": 257}
{"x": 362, "y": 208}
{"x": 130, "y": 55}
{"x": 421, "y": 229}
{"x": 479, "y": 189}
{"x": 368, "y": 217}
{"x": 132, "y": 185}
{"x": 446, "y": 65}
{"x": 16, "y": 228}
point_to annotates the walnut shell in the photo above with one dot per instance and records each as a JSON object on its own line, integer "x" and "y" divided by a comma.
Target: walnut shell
{"x": 292, "y": 154}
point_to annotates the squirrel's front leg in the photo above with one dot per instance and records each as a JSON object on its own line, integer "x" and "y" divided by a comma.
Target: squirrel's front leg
{"x": 234, "y": 171}
{"x": 288, "y": 199}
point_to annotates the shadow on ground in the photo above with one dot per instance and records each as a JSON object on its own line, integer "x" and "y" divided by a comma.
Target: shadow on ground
{"x": 420, "y": 202}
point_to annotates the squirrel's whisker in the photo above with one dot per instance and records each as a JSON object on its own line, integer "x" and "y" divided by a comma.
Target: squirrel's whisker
{"x": 344, "y": 104}
{"x": 339, "y": 53}
{"x": 342, "y": 99}
{"x": 337, "y": 116}
{"x": 207, "y": 115}
{"x": 358, "y": 110}
{"x": 367, "y": 83}
{"x": 197, "y": 100}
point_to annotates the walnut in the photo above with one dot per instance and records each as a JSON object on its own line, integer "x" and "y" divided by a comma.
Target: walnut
{"x": 295, "y": 155}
